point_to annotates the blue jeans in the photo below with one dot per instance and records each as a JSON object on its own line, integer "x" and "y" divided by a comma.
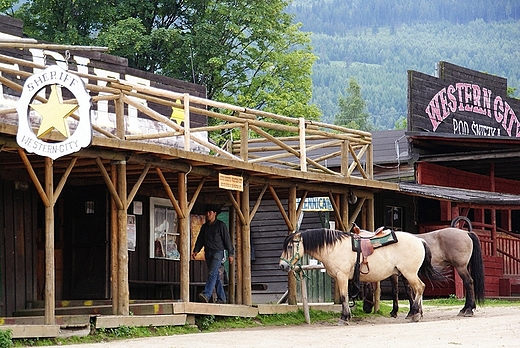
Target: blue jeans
{"x": 213, "y": 261}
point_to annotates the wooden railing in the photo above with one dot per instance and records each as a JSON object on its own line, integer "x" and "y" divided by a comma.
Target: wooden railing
{"x": 507, "y": 246}
{"x": 311, "y": 146}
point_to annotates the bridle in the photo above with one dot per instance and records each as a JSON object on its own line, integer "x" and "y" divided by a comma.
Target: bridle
{"x": 296, "y": 256}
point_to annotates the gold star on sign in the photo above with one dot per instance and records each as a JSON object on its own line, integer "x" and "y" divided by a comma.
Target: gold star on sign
{"x": 177, "y": 114}
{"x": 54, "y": 113}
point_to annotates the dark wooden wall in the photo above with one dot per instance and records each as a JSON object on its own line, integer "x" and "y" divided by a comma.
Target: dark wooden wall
{"x": 268, "y": 231}
{"x": 18, "y": 220}
{"x": 142, "y": 267}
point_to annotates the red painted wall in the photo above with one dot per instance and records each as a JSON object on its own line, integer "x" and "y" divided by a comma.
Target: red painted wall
{"x": 434, "y": 174}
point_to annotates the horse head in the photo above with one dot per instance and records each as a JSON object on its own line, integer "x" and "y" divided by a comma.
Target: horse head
{"x": 292, "y": 252}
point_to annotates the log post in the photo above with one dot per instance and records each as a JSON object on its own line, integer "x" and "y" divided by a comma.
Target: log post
{"x": 122, "y": 255}
{"x": 246, "y": 247}
{"x": 114, "y": 243}
{"x": 293, "y": 219}
{"x": 50, "y": 291}
{"x": 184, "y": 237}
{"x": 238, "y": 254}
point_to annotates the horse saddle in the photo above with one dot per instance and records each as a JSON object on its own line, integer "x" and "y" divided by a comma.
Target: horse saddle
{"x": 364, "y": 242}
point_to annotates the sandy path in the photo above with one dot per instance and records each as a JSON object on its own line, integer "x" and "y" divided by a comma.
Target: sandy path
{"x": 440, "y": 327}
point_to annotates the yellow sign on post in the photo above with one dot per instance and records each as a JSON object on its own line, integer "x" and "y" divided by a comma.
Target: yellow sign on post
{"x": 230, "y": 182}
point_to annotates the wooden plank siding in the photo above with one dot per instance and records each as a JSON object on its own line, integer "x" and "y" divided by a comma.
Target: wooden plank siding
{"x": 18, "y": 248}
{"x": 268, "y": 232}
{"x": 434, "y": 174}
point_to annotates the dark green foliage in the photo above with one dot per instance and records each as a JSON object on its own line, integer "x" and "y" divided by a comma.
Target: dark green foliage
{"x": 377, "y": 41}
{"x": 5, "y": 339}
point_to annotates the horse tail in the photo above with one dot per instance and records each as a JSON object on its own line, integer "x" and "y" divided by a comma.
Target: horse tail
{"x": 427, "y": 268}
{"x": 476, "y": 268}
{"x": 456, "y": 220}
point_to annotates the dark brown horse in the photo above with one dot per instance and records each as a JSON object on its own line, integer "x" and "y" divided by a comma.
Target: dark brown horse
{"x": 450, "y": 247}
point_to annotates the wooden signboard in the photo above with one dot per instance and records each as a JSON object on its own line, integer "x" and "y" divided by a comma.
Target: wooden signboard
{"x": 463, "y": 102}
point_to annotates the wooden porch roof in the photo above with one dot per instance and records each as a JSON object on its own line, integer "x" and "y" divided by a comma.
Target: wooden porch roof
{"x": 163, "y": 136}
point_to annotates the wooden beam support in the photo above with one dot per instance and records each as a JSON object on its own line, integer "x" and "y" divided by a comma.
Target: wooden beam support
{"x": 170, "y": 194}
{"x": 288, "y": 222}
{"x": 337, "y": 212}
{"x": 237, "y": 207}
{"x": 196, "y": 193}
{"x": 110, "y": 186}
{"x": 63, "y": 179}
{"x": 257, "y": 203}
{"x": 34, "y": 178}
{"x": 138, "y": 184}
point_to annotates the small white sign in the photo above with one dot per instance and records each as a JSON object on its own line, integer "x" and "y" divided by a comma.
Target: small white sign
{"x": 138, "y": 208}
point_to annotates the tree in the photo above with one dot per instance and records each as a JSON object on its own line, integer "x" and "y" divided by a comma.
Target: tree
{"x": 244, "y": 52}
{"x": 353, "y": 109}
{"x": 7, "y": 5}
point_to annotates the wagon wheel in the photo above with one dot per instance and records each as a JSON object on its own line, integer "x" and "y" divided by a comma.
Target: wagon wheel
{"x": 455, "y": 222}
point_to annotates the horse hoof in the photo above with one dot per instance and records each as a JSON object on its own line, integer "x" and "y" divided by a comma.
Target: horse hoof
{"x": 466, "y": 313}
{"x": 417, "y": 317}
{"x": 393, "y": 314}
{"x": 342, "y": 322}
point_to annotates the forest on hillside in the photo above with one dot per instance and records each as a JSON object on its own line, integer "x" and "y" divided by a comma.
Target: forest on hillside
{"x": 377, "y": 41}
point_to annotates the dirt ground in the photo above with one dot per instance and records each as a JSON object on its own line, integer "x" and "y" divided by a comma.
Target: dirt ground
{"x": 440, "y": 327}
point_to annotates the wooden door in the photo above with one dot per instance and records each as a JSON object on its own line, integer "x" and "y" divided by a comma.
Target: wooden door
{"x": 87, "y": 244}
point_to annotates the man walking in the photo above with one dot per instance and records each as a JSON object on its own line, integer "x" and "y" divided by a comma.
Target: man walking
{"x": 214, "y": 237}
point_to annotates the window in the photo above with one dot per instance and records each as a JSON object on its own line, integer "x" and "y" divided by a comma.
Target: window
{"x": 163, "y": 230}
{"x": 394, "y": 218}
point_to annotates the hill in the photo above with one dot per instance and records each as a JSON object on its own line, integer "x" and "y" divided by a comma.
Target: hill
{"x": 377, "y": 41}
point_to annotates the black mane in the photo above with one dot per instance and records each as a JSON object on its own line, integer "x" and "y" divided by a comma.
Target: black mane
{"x": 317, "y": 238}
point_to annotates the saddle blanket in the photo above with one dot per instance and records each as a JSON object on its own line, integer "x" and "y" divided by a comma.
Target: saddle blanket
{"x": 377, "y": 241}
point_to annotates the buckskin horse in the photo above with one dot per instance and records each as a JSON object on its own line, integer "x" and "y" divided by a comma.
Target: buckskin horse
{"x": 454, "y": 247}
{"x": 335, "y": 250}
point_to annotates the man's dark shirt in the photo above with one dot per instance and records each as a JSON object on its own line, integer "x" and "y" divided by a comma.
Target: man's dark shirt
{"x": 214, "y": 237}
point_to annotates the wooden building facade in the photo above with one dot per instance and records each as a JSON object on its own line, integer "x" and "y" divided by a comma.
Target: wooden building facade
{"x": 458, "y": 157}
{"x": 116, "y": 219}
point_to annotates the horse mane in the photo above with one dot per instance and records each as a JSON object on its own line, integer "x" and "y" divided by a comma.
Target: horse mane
{"x": 317, "y": 238}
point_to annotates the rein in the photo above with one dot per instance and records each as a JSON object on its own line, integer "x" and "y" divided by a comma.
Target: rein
{"x": 296, "y": 267}
{"x": 296, "y": 256}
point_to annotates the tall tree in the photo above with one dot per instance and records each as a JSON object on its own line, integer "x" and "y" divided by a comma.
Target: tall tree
{"x": 7, "y": 5}
{"x": 353, "y": 109}
{"x": 245, "y": 52}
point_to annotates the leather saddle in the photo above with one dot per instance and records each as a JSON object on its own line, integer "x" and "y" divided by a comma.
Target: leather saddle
{"x": 364, "y": 242}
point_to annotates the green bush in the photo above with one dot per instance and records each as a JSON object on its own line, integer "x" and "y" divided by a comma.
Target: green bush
{"x": 6, "y": 338}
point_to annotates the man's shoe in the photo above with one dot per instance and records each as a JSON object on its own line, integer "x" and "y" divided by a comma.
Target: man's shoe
{"x": 221, "y": 302}
{"x": 203, "y": 298}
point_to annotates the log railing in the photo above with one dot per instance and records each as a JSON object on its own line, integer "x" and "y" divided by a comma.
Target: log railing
{"x": 309, "y": 146}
